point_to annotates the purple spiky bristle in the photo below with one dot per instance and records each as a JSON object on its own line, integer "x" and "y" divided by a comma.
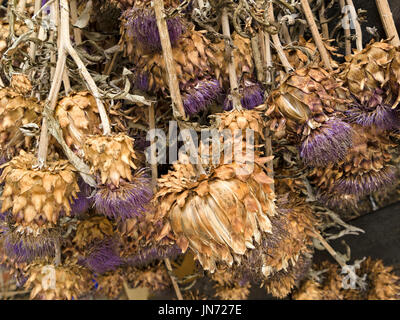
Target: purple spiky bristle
{"x": 150, "y": 254}
{"x": 368, "y": 182}
{"x": 25, "y": 248}
{"x": 252, "y": 96}
{"x": 83, "y": 202}
{"x": 103, "y": 256}
{"x": 327, "y": 144}
{"x": 141, "y": 25}
{"x": 373, "y": 113}
{"x": 127, "y": 201}
{"x": 201, "y": 95}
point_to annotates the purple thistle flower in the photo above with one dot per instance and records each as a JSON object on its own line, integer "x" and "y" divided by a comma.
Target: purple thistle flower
{"x": 83, "y": 202}
{"x": 127, "y": 201}
{"x": 104, "y": 256}
{"x": 141, "y": 25}
{"x": 368, "y": 182}
{"x": 148, "y": 255}
{"x": 252, "y": 96}
{"x": 27, "y": 247}
{"x": 326, "y": 144}
{"x": 201, "y": 95}
{"x": 374, "y": 113}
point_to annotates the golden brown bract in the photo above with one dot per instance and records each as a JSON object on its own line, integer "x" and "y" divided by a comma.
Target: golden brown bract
{"x": 36, "y": 197}
{"x": 78, "y": 117}
{"x": 309, "y": 95}
{"x": 92, "y": 229}
{"x": 242, "y": 56}
{"x": 111, "y": 157}
{"x": 218, "y": 215}
{"x": 192, "y": 56}
{"x": 376, "y": 66}
{"x": 71, "y": 281}
{"x": 16, "y": 111}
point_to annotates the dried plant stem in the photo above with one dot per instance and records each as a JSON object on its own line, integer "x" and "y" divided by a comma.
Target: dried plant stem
{"x": 346, "y": 23}
{"x": 177, "y": 104}
{"x": 64, "y": 47}
{"x": 268, "y": 141}
{"x": 21, "y": 6}
{"x": 317, "y": 37}
{"x": 74, "y": 16}
{"x": 268, "y": 57}
{"x": 286, "y": 34}
{"x": 277, "y": 43}
{"x": 173, "y": 84}
{"x": 324, "y": 24}
{"x": 174, "y": 283}
{"x": 388, "y": 22}
{"x": 331, "y": 251}
{"x": 354, "y": 19}
{"x": 32, "y": 46}
{"x": 152, "y": 126}
{"x": 257, "y": 58}
{"x": 233, "y": 81}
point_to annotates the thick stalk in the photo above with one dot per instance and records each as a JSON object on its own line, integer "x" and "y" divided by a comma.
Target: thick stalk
{"x": 346, "y": 23}
{"x": 322, "y": 19}
{"x": 257, "y": 58}
{"x": 277, "y": 43}
{"x": 316, "y": 36}
{"x": 51, "y": 102}
{"x": 233, "y": 81}
{"x": 74, "y": 16}
{"x": 177, "y": 104}
{"x": 354, "y": 19}
{"x": 388, "y": 22}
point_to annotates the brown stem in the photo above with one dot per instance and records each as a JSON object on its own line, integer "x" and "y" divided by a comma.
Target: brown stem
{"x": 317, "y": 37}
{"x": 177, "y": 104}
{"x": 324, "y": 25}
{"x": 354, "y": 19}
{"x": 257, "y": 58}
{"x": 32, "y": 47}
{"x": 277, "y": 43}
{"x": 233, "y": 81}
{"x": 174, "y": 283}
{"x": 55, "y": 85}
{"x": 388, "y": 22}
{"x": 329, "y": 248}
{"x": 346, "y": 22}
{"x": 74, "y": 16}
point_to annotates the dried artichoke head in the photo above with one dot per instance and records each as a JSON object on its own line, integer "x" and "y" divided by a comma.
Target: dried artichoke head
{"x": 307, "y": 109}
{"x": 111, "y": 157}
{"x": 375, "y": 67}
{"x": 17, "y": 111}
{"x": 37, "y": 198}
{"x": 63, "y": 282}
{"x": 220, "y": 215}
{"x": 78, "y": 117}
{"x": 91, "y": 230}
